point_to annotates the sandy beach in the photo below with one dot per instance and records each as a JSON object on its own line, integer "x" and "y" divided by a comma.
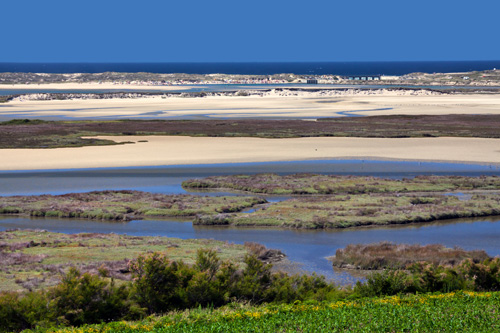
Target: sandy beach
{"x": 272, "y": 105}
{"x": 177, "y": 150}
{"x": 269, "y": 106}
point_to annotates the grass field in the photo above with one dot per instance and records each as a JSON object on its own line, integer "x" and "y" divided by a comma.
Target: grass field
{"x": 450, "y": 312}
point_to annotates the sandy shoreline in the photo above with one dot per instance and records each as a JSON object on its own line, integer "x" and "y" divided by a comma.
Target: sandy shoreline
{"x": 179, "y": 150}
{"x": 90, "y": 86}
{"x": 269, "y": 106}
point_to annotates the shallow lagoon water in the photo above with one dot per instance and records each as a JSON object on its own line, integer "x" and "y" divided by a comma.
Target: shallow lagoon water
{"x": 307, "y": 247}
{"x": 168, "y": 179}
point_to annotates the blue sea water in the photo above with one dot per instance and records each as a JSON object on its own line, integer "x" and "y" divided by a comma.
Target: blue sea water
{"x": 259, "y": 68}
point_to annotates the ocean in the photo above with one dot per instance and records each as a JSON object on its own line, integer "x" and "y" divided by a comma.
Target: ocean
{"x": 260, "y": 68}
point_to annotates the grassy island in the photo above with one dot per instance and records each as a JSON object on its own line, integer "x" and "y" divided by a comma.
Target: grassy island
{"x": 331, "y": 184}
{"x": 344, "y": 211}
{"x": 320, "y": 202}
{"x": 122, "y": 205}
{"x": 326, "y": 201}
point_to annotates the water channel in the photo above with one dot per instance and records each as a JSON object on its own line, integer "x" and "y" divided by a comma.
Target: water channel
{"x": 307, "y": 248}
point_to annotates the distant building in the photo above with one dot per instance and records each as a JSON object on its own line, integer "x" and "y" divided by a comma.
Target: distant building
{"x": 362, "y": 77}
{"x": 389, "y": 77}
{"x": 312, "y": 81}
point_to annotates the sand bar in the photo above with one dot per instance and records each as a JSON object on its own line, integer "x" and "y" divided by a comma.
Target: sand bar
{"x": 306, "y": 106}
{"x": 178, "y": 150}
{"x": 90, "y": 86}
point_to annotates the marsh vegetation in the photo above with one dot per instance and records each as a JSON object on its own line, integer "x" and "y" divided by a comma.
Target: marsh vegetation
{"x": 386, "y": 255}
{"x": 344, "y": 211}
{"x": 122, "y": 205}
{"x": 298, "y": 184}
{"x": 54, "y": 134}
{"x": 36, "y": 259}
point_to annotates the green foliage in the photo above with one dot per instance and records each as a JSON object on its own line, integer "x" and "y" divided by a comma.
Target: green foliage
{"x": 425, "y": 277}
{"x": 84, "y": 298}
{"x": 385, "y": 283}
{"x": 159, "y": 283}
{"x": 23, "y": 122}
{"x": 77, "y": 300}
{"x": 451, "y": 312}
{"x": 12, "y": 317}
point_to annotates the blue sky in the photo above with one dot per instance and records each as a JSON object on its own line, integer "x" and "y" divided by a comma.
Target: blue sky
{"x": 240, "y": 31}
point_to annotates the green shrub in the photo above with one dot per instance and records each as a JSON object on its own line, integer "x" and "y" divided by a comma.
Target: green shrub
{"x": 389, "y": 282}
{"x": 85, "y": 299}
{"x": 11, "y": 316}
{"x": 160, "y": 283}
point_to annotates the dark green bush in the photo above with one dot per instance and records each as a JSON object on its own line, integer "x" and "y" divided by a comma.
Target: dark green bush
{"x": 159, "y": 283}
{"x": 426, "y": 277}
{"x": 84, "y": 299}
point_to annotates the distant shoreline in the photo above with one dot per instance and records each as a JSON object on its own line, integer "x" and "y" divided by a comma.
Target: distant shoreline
{"x": 473, "y": 78}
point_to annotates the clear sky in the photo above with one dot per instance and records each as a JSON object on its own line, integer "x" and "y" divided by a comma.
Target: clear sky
{"x": 240, "y": 31}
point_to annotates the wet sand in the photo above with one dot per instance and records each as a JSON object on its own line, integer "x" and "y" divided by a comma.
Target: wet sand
{"x": 272, "y": 105}
{"x": 178, "y": 150}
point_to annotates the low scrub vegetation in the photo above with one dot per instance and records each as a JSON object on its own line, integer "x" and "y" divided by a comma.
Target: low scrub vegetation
{"x": 122, "y": 205}
{"x": 386, "y": 255}
{"x": 425, "y": 277}
{"x": 344, "y": 211}
{"x": 330, "y": 184}
{"x": 158, "y": 285}
{"x": 252, "y": 298}
{"x": 35, "y": 260}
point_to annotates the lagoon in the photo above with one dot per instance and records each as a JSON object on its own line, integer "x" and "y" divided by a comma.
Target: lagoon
{"x": 308, "y": 248}
{"x": 168, "y": 179}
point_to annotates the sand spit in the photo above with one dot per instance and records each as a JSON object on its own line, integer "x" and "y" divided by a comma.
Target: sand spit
{"x": 175, "y": 150}
{"x": 271, "y": 105}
